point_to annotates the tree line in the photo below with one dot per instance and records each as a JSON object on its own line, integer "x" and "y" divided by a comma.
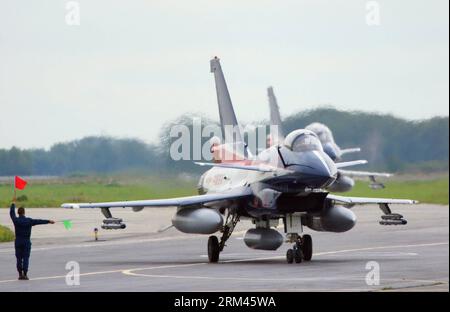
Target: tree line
{"x": 388, "y": 142}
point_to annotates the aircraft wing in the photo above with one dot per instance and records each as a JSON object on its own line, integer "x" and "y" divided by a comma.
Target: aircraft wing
{"x": 260, "y": 168}
{"x": 350, "y": 163}
{"x": 352, "y": 173}
{"x": 350, "y": 150}
{"x": 367, "y": 200}
{"x": 178, "y": 201}
{"x": 388, "y": 217}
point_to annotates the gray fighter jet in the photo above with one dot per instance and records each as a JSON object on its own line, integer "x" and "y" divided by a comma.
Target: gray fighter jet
{"x": 285, "y": 182}
{"x": 344, "y": 181}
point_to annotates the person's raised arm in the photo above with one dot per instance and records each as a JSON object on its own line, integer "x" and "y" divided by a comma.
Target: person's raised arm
{"x": 12, "y": 212}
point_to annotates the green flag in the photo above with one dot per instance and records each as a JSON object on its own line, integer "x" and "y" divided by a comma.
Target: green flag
{"x": 67, "y": 224}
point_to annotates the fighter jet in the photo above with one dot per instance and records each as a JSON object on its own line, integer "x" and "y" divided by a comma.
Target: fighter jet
{"x": 285, "y": 182}
{"x": 344, "y": 181}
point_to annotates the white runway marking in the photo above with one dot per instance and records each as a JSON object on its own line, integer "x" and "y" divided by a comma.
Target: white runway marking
{"x": 103, "y": 272}
{"x": 420, "y": 282}
{"x": 290, "y": 279}
{"x": 386, "y": 254}
{"x": 133, "y": 270}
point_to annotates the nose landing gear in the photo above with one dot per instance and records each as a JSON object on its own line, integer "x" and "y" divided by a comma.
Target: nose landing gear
{"x": 302, "y": 249}
{"x": 307, "y": 247}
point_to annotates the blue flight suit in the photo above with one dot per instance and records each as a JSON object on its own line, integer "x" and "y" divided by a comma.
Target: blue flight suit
{"x": 22, "y": 244}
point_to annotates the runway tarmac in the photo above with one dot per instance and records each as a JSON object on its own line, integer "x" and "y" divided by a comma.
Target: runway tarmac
{"x": 414, "y": 257}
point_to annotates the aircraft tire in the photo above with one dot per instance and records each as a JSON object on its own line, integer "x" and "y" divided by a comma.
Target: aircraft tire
{"x": 307, "y": 247}
{"x": 213, "y": 249}
{"x": 298, "y": 255}
{"x": 290, "y": 256}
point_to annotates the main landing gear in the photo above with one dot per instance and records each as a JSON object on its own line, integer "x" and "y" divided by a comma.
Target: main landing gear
{"x": 214, "y": 246}
{"x": 302, "y": 249}
{"x": 213, "y": 249}
{"x": 303, "y": 246}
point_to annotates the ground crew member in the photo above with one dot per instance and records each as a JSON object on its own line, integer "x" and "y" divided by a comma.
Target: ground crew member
{"x": 22, "y": 244}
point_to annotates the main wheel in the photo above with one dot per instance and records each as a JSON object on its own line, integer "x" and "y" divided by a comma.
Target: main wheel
{"x": 213, "y": 249}
{"x": 298, "y": 255}
{"x": 307, "y": 247}
{"x": 290, "y": 256}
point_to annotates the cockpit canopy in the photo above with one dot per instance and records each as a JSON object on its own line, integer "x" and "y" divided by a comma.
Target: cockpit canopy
{"x": 303, "y": 140}
{"x": 323, "y": 132}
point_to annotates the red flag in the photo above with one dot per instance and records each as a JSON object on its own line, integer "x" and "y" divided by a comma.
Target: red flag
{"x": 19, "y": 183}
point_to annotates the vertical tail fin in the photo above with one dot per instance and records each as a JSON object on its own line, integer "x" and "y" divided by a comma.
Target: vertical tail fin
{"x": 275, "y": 118}
{"x": 228, "y": 121}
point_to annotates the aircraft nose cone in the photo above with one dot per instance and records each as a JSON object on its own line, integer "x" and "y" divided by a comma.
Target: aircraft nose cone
{"x": 323, "y": 170}
{"x": 322, "y": 177}
{"x": 313, "y": 169}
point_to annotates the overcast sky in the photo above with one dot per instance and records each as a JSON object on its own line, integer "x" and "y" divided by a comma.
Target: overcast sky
{"x": 130, "y": 66}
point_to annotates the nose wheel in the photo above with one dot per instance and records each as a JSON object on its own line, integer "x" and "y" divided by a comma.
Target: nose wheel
{"x": 290, "y": 256}
{"x": 301, "y": 251}
{"x": 307, "y": 247}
